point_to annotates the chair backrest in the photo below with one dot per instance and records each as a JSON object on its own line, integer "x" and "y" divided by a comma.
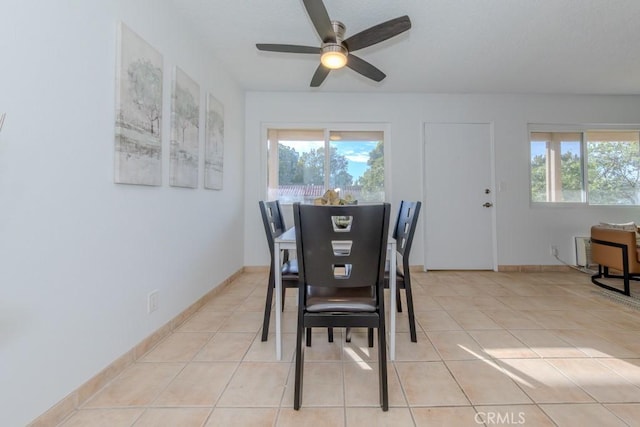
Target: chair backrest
{"x": 405, "y": 227}
{"x": 611, "y": 256}
{"x": 341, "y": 246}
{"x": 272, "y": 220}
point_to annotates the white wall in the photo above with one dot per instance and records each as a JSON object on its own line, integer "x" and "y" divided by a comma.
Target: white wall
{"x": 78, "y": 253}
{"x": 524, "y": 233}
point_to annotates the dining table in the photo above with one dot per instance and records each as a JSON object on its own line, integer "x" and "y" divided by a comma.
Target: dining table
{"x": 287, "y": 240}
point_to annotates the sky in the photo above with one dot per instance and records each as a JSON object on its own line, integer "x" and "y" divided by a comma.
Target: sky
{"x": 539, "y": 147}
{"x": 356, "y": 152}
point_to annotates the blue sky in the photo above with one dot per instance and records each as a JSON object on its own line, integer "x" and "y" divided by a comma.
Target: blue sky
{"x": 539, "y": 147}
{"x": 357, "y": 153}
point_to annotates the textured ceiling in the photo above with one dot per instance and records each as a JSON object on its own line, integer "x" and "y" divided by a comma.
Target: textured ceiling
{"x": 454, "y": 46}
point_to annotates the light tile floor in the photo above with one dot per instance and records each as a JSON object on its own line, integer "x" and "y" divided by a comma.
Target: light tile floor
{"x": 531, "y": 349}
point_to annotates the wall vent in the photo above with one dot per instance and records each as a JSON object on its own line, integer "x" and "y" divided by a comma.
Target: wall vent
{"x": 583, "y": 251}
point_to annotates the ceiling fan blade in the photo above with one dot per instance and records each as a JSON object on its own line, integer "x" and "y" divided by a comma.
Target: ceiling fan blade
{"x": 318, "y": 77}
{"x": 288, "y": 48}
{"x": 320, "y": 18}
{"x": 378, "y": 33}
{"x": 363, "y": 67}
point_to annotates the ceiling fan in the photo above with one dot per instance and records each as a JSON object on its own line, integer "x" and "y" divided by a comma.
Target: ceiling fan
{"x": 335, "y": 51}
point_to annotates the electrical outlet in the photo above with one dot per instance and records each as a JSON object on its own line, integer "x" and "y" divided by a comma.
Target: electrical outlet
{"x": 152, "y": 301}
{"x": 554, "y": 250}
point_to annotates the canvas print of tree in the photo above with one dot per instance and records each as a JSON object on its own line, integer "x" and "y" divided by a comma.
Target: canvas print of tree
{"x": 214, "y": 144}
{"x": 138, "y": 141}
{"x": 185, "y": 144}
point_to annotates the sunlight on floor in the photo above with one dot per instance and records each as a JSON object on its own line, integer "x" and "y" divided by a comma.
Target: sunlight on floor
{"x": 354, "y": 356}
{"x": 496, "y": 367}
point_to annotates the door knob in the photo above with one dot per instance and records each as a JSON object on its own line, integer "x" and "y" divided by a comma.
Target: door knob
{"x": 488, "y": 205}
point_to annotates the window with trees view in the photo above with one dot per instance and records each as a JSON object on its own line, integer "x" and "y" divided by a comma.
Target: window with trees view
{"x": 304, "y": 163}
{"x": 598, "y": 167}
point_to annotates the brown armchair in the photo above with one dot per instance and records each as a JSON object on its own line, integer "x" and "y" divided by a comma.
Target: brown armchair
{"x": 615, "y": 249}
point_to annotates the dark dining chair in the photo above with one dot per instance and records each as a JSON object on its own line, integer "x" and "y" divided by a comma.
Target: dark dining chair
{"x": 403, "y": 232}
{"x": 274, "y": 226}
{"x": 341, "y": 254}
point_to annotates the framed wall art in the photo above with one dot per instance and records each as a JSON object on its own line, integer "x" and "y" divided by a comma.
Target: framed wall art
{"x": 185, "y": 127}
{"x": 214, "y": 144}
{"x": 138, "y": 122}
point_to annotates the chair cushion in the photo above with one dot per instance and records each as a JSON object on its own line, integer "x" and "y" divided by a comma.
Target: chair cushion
{"x": 323, "y": 299}
{"x": 627, "y": 226}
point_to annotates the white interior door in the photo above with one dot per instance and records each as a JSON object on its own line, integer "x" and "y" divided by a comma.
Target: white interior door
{"x": 458, "y": 201}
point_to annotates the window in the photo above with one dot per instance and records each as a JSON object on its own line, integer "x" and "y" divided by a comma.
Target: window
{"x": 556, "y": 167}
{"x": 598, "y": 167}
{"x": 304, "y": 163}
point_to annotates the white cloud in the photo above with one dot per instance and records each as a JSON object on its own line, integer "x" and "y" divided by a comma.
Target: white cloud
{"x": 358, "y": 157}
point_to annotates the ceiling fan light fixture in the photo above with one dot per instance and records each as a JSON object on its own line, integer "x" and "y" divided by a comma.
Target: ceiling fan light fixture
{"x": 333, "y": 56}
{"x": 335, "y": 50}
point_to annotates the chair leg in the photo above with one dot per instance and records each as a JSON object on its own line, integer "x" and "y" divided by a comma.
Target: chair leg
{"x": 329, "y": 336}
{"x": 267, "y": 306}
{"x": 604, "y": 272}
{"x": 398, "y": 300}
{"x": 382, "y": 369}
{"x": 284, "y": 292}
{"x": 299, "y": 370}
{"x": 369, "y": 336}
{"x": 627, "y": 289}
{"x": 412, "y": 318}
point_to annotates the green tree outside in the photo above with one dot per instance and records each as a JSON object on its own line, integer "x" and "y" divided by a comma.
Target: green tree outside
{"x": 613, "y": 173}
{"x": 372, "y": 181}
{"x": 311, "y": 168}
{"x": 308, "y": 168}
{"x": 288, "y": 161}
{"x": 338, "y": 166}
